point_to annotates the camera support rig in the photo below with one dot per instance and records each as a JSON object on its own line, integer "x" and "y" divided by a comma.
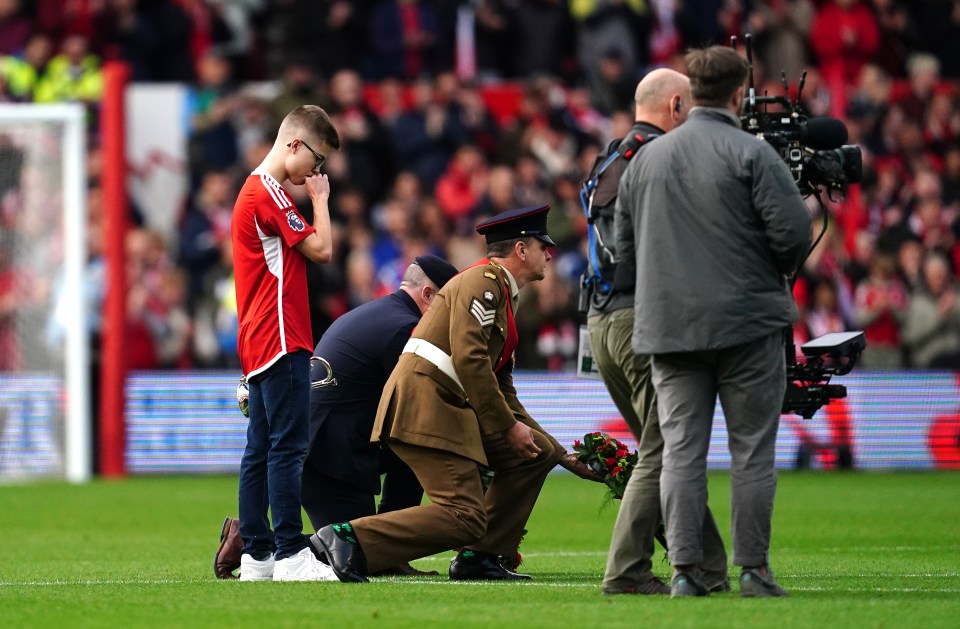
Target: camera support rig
{"x": 808, "y": 383}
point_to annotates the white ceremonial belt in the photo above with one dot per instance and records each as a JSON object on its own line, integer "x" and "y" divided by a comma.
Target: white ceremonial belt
{"x": 440, "y": 359}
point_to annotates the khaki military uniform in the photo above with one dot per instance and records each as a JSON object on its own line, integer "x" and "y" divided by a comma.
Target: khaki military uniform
{"x": 444, "y": 410}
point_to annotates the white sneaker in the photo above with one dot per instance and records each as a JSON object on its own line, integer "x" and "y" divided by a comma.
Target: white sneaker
{"x": 254, "y": 570}
{"x": 304, "y": 566}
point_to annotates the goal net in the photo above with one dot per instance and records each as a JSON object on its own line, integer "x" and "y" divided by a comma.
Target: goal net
{"x": 44, "y": 356}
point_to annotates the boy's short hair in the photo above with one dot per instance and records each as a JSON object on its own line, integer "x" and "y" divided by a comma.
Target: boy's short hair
{"x": 313, "y": 120}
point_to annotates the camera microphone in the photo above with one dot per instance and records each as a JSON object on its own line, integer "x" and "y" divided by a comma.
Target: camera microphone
{"x": 823, "y": 134}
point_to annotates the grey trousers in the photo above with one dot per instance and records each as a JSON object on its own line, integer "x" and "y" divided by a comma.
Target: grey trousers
{"x": 627, "y": 377}
{"x": 750, "y": 379}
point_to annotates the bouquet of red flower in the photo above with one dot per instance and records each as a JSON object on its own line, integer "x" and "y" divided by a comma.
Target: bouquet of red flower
{"x": 607, "y": 457}
{"x": 513, "y": 563}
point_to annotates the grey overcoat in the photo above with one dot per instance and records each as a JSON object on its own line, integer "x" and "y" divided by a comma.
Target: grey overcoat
{"x": 716, "y": 222}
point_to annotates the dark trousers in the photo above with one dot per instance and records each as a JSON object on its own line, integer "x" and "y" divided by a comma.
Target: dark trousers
{"x": 272, "y": 463}
{"x": 329, "y": 500}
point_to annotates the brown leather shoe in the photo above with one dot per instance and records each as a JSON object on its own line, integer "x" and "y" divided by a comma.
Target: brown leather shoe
{"x": 404, "y": 570}
{"x": 228, "y": 554}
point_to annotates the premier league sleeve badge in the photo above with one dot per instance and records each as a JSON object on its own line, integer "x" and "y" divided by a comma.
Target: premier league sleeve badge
{"x": 294, "y": 221}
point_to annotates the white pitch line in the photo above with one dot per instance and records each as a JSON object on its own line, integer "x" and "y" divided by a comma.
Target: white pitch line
{"x": 526, "y": 584}
{"x": 547, "y": 584}
{"x": 884, "y": 590}
{"x": 856, "y": 549}
{"x": 584, "y": 553}
{"x": 868, "y": 575}
{"x": 195, "y": 581}
{"x": 102, "y": 582}
{"x": 871, "y": 549}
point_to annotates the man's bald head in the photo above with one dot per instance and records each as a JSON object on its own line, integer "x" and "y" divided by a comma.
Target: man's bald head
{"x": 663, "y": 98}
{"x": 414, "y": 277}
{"x": 420, "y": 288}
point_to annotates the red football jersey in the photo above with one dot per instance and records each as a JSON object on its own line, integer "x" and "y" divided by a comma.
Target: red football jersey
{"x": 270, "y": 275}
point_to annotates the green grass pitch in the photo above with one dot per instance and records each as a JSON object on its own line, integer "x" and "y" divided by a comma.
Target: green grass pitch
{"x": 854, "y": 550}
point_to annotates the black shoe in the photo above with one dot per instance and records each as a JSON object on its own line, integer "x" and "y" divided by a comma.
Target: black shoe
{"x": 688, "y": 583}
{"x": 720, "y": 587}
{"x": 346, "y": 559}
{"x": 717, "y": 582}
{"x": 472, "y": 565}
{"x": 759, "y": 583}
{"x": 651, "y": 586}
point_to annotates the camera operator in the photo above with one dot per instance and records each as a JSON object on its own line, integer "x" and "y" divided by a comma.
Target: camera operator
{"x": 715, "y": 222}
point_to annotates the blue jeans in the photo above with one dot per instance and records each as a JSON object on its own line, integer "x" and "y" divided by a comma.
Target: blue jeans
{"x": 272, "y": 463}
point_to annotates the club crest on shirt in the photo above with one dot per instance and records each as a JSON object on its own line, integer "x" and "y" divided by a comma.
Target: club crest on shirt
{"x": 481, "y": 313}
{"x": 294, "y": 221}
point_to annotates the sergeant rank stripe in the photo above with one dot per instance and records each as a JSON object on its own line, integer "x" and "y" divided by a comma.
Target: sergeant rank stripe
{"x": 483, "y": 315}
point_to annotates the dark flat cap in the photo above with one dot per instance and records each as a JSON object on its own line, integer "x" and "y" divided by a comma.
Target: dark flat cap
{"x": 437, "y": 269}
{"x": 519, "y": 223}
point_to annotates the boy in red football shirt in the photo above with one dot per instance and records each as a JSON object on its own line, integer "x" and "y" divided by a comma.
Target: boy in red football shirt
{"x": 271, "y": 244}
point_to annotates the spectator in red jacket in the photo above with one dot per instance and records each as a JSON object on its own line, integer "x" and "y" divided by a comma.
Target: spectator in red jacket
{"x": 844, "y": 36}
{"x": 461, "y": 187}
{"x": 881, "y": 304}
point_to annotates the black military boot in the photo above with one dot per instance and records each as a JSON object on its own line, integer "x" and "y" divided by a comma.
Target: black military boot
{"x": 472, "y": 565}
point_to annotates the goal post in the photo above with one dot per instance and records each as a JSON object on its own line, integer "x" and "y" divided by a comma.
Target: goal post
{"x": 45, "y": 414}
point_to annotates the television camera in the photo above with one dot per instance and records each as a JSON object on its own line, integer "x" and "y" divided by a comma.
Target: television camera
{"x": 814, "y": 149}
{"x": 817, "y": 155}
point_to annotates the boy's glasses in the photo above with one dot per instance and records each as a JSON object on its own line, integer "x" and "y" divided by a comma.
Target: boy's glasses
{"x": 320, "y": 158}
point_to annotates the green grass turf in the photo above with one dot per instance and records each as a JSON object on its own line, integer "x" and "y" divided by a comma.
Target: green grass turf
{"x": 855, "y": 550}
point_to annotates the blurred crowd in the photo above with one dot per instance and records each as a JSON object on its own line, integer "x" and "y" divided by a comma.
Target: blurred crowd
{"x": 453, "y": 111}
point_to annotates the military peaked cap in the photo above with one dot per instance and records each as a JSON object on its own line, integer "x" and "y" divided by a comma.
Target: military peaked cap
{"x": 519, "y": 223}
